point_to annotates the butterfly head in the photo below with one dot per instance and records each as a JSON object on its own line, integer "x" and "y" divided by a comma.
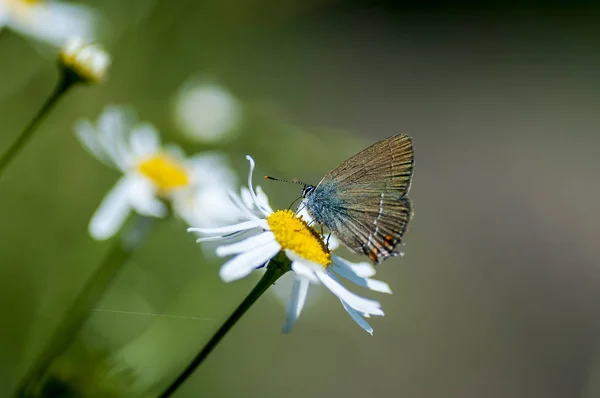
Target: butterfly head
{"x": 307, "y": 190}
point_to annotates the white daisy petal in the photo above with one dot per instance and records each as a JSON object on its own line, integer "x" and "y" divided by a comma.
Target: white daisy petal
{"x": 332, "y": 242}
{"x": 212, "y": 168}
{"x": 242, "y": 205}
{"x": 86, "y": 133}
{"x": 144, "y": 140}
{"x": 252, "y": 193}
{"x": 295, "y": 303}
{"x": 232, "y": 228}
{"x": 3, "y": 16}
{"x": 263, "y": 199}
{"x": 253, "y": 242}
{"x": 316, "y": 267}
{"x": 362, "y": 269}
{"x": 143, "y": 198}
{"x": 242, "y": 265}
{"x": 112, "y": 121}
{"x": 112, "y": 126}
{"x": 355, "y": 301}
{"x": 54, "y": 22}
{"x": 208, "y": 207}
{"x": 219, "y": 237}
{"x": 357, "y": 318}
{"x": 372, "y": 284}
{"x": 304, "y": 269}
{"x": 247, "y": 198}
{"x": 112, "y": 212}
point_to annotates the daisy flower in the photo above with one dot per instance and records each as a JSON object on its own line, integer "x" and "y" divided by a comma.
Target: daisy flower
{"x": 153, "y": 175}
{"x": 206, "y": 112}
{"x": 311, "y": 259}
{"x": 47, "y": 20}
{"x": 87, "y": 62}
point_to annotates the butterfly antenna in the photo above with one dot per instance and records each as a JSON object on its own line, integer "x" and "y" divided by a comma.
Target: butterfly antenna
{"x": 295, "y": 200}
{"x": 294, "y": 181}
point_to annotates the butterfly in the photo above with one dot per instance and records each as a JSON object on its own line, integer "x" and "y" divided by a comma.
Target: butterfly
{"x": 363, "y": 201}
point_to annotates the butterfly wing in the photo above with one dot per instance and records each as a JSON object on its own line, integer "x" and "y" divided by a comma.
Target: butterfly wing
{"x": 371, "y": 211}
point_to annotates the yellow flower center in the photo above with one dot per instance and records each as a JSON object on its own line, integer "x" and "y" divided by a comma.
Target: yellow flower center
{"x": 293, "y": 233}
{"x": 24, "y": 2}
{"x": 165, "y": 172}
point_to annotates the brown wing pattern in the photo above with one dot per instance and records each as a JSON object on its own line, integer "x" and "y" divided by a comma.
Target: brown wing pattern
{"x": 387, "y": 164}
{"x": 376, "y": 210}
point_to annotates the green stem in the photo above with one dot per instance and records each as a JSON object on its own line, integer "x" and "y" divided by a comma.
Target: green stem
{"x": 66, "y": 81}
{"x": 273, "y": 272}
{"x": 79, "y": 312}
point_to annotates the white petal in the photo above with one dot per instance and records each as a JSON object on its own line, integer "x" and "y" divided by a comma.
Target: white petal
{"x": 219, "y": 237}
{"x": 357, "y": 318}
{"x": 243, "y": 264}
{"x": 232, "y": 228}
{"x": 3, "y": 16}
{"x": 247, "y": 198}
{"x": 143, "y": 198}
{"x": 332, "y": 242}
{"x": 372, "y": 284}
{"x": 362, "y": 269}
{"x": 252, "y": 193}
{"x": 295, "y": 257}
{"x": 248, "y": 244}
{"x": 208, "y": 207}
{"x": 305, "y": 270}
{"x": 242, "y": 205}
{"x": 355, "y": 301}
{"x": 295, "y": 303}
{"x": 55, "y": 22}
{"x": 86, "y": 133}
{"x": 263, "y": 199}
{"x": 212, "y": 169}
{"x": 112, "y": 212}
{"x": 144, "y": 141}
{"x": 113, "y": 125}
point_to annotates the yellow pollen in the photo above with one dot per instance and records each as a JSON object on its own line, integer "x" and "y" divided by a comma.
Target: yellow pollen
{"x": 293, "y": 233}
{"x": 165, "y": 172}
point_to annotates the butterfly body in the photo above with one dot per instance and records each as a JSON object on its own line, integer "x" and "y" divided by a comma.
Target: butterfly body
{"x": 363, "y": 201}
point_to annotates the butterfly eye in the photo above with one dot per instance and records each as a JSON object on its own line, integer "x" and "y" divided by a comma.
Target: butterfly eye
{"x": 307, "y": 190}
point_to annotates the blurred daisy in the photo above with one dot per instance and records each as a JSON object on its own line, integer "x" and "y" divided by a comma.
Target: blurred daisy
{"x": 85, "y": 62}
{"x": 206, "y": 112}
{"x": 154, "y": 175}
{"x": 311, "y": 259}
{"x": 47, "y": 20}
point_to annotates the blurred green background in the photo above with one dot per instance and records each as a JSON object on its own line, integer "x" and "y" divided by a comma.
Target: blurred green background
{"x": 498, "y": 294}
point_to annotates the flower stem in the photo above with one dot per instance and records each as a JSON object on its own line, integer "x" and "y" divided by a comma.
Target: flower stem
{"x": 79, "y": 312}
{"x": 273, "y": 273}
{"x": 66, "y": 81}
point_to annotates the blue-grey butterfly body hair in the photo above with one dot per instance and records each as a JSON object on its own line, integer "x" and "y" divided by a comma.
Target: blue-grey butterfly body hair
{"x": 364, "y": 202}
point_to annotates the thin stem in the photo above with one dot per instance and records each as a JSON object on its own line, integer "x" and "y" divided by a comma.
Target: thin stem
{"x": 273, "y": 272}
{"x": 79, "y": 312}
{"x": 63, "y": 85}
